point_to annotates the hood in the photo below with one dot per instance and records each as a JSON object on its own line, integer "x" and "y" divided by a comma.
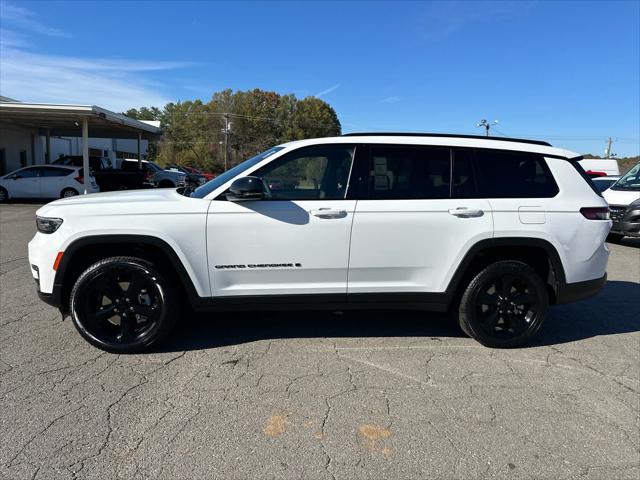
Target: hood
{"x": 120, "y": 199}
{"x": 620, "y": 197}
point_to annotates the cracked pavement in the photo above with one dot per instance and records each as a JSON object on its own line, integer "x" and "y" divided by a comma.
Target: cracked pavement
{"x": 319, "y": 395}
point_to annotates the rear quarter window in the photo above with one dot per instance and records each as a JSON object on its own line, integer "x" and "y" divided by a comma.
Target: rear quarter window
{"x": 507, "y": 174}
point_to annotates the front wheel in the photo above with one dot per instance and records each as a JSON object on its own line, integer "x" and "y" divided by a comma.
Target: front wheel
{"x": 4, "y": 195}
{"x": 504, "y": 305}
{"x": 123, "y": 305}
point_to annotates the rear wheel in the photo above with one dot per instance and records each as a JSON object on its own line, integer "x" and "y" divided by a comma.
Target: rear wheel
{"x": 122, "y": 305}
{"x": 69, "y": 192}
{"x": 504, "y": 305}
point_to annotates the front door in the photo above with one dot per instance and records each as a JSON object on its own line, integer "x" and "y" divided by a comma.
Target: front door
{"x": 25, "y": 183}
{"x": 413, "y": 225}
{"x": 296, "y": 239}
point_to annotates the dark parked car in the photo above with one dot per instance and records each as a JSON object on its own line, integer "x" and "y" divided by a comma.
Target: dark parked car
{"x": 108, "y": 178}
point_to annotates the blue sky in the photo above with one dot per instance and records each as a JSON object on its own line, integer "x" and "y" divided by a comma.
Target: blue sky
{"x": 568, "y": 72}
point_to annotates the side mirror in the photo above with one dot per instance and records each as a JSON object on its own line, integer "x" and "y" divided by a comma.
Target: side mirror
{"x": 246, "y": 188}
{"x": 15, "y": 176}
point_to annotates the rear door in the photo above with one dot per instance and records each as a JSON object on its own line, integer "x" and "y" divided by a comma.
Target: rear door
{"x": 54, "y": 179}
{"x": 408, "y": 232}
{"x": 521, "y": 190}
{"x": 295, "y": 240}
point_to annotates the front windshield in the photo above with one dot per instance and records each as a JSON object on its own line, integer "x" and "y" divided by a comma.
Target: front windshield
{"x": 223, "y": 178}
{"x": 630, "y": 180}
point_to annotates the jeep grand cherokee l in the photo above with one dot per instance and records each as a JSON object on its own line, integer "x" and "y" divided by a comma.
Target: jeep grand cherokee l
{"x": 492, "y": 230}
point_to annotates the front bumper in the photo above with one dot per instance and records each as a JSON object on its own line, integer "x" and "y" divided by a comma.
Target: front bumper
{"x": 54, "y": 299}
{"x": 625, "y": 221}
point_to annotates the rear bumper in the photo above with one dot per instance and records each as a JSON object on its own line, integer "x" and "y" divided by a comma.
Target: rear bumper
{"x": 573, "y": 292}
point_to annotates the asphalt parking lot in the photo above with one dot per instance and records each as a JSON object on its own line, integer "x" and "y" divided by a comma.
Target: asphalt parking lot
{"x": 319, "y": 395}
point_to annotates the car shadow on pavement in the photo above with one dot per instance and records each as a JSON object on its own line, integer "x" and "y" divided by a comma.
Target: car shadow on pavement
{"x": 211, "y": 330}
{"x": 615, "y": 310}
{"x": 633, "y": 242}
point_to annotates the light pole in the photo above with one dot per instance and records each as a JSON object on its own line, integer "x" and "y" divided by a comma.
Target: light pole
{"x": 487, "y": 125}
{"x": 226, "y": 131}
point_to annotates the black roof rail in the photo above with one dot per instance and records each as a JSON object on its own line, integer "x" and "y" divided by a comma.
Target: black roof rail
{"x": 446, "y": 135}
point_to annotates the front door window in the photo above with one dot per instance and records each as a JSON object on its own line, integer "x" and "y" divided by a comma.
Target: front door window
{"x": 315, "y": 173}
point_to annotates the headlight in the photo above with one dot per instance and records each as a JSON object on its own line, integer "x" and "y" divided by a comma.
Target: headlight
{"x": 48, "y": 225}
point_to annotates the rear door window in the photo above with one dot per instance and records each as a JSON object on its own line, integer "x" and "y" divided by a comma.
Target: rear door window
{"x": 506, "y": 174}
{"x": 408, "y": 172}
{"x": 55, "y": 172}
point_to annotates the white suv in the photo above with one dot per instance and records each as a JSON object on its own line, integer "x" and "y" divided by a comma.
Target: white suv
{"x": 493, "y": 230}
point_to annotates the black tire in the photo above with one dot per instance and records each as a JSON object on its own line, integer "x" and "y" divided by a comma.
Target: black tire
{"x": 4, "y": 195}
{"x": 504, "y": 305}
{"x": 614, "y": 237}
{"x": 69, "y": 192}
{"x": 166, "y": 184}
{"x": 139, "y": 318}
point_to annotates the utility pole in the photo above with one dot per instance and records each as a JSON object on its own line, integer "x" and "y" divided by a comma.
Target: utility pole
{"x": 487, "y": 125}
{"x": 226, "y": 140}
{"x": 607, "y": 151}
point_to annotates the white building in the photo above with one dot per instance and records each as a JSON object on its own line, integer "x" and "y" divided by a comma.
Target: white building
{"x": 32, "y": 134}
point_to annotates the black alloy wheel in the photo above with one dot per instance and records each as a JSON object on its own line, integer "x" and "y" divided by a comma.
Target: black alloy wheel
{"x": 504, "y": 305}
{"x": 122, "y": 304}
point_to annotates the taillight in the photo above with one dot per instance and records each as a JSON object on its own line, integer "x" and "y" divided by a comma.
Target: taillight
{"x": 595, "y": 213}
{"x": 79, "y": 179}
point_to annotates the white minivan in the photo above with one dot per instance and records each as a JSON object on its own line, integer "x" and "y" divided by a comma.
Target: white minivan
{"x": 600, "y": 167}
{"x": 45, "y": 181}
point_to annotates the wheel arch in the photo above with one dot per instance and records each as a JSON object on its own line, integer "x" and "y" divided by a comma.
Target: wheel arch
{"x": 538, "y": 253}
{"x": 84, "y": 251}
{"x": 64, "y": 189}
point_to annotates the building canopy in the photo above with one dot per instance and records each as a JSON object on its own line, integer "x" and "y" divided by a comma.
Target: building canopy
{"x": 66, "y": 120}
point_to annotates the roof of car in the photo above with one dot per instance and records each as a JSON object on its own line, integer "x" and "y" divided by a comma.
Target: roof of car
{"x": 442, "y": 139}
{"x": 447, "y": 135}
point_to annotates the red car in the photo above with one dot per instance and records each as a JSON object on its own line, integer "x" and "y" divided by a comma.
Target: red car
{"x": 195, "y": 171}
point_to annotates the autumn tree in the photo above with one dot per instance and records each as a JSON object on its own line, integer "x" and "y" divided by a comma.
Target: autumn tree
{"x": 193, "y": 131}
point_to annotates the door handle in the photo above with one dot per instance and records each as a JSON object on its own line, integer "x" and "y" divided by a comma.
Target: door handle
{"x": 328, "y": 213}
{"x": 464, "y": 212}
